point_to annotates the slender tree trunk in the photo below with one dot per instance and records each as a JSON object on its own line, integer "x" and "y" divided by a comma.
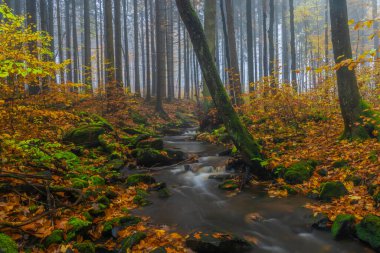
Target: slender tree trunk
{"x": 109, "y": 58}
{"x": 160, "y": 45}
{"x": 31, "y": 10}
{"x": 250, "y": 47}
{"x": 170, "y": 51}
{"x": 137, "y": 56}
{"x": 75, "y": 42}
{"x": 375, "y": 27}
{"x": 351, "y": 104}
{"x": 60, "y": 40}
{"x": 179, "y": 58}
{"x": 285, "y": 42}
{"x": 271, "y": 44}
{"x": 153, "y": 48}
{"x": 87, "y": 46}
{"x": 118, "y": 45}
{"x": 265, "y": 39}
{"x": 127, "y": 72}
{"x": 247, "y": 145}
{"x": 148, "y": 76}
{"x": 293, "y": 46}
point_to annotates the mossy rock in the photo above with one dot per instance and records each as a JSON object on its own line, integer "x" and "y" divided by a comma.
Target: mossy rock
{"x": 368, "y": 230}
{"x": 136, "y": 179}
{"x": 107, "y": 143}
{"x": 322, "y": 172}
{"x": 78, "y": 226}
{"x": 357, "y": 180}
{"x": 229, "y": 185}
{"x": 289, "y": 190}
{"x": 141, "y": 198}
{"x": 56, "y": 237}
{"x": 343, "y": 226}
{"x": 133, "y": 131}
{"x": 153, "y": 143}
{"x": 7, "y": 245}
{"x": 85, "y": 247}
{"x": 132, "y": 240}
{"x": 120, "y": 222}
{"x": 79, "y": 183}
{"x": 340, "y": 164}
{"x": 115, "y": 165}
{"x": 98, "y": 210}
{"x": 148, "y": 157}
{"x": 332, "y": 190}
{"x": 300, "y": 172}
{"x": 224, "y": 243}
{"x": 132, "y": 141}
{"x": 103, "y": 200}
{"x": 87, "y": 135}
{"x": 97, "y": 180}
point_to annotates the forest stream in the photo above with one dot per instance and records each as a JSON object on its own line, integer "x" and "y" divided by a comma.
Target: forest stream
{"x": 196, "y": 204}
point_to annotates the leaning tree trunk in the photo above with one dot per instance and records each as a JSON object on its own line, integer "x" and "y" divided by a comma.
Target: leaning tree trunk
{"x": 354, "y": 110}
{"x": 247, "y": 145}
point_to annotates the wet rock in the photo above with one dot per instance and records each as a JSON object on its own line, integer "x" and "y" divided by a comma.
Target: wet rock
{"x": 299, "y": 172}
{"x": 148, "y": 157}
{"x": 153, "y": 143}
{"x": 217, "y": 243}
{"x": 368, "y": 230}
{"x": 157, "y": 186}
{"x": 131, "y": 241}
{"x": 87, "y": 135}
{"x": 229, "y": 185}
{"x": 343, "y": 226}
{"x": 227, "y": 152}
{"x": 321, "y": 222}
{"x": 135, "y": 179}
{"x": 221, "y": 177}
{"x": 332, "y": 190}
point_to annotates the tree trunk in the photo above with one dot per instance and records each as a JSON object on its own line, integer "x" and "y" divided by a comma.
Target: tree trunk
{"x": 60, "y": 40}
{"x": 250, "y": 48}
{"x": 234, "y": 73}
{"x": 247, "y": 145}
{"x": 75, "y": 42}
{"x": 179, "y": 58}
{"x": 293, "y": 46}
{"x": 375, "y": 27}
{"x": 271, "y": 43}
{"x": 170, "y": 50}
{"x": 351, "y": 104}
{"x": 109, "y": 58}
{"x": 127, "y": 72}
{"x": 148, "y": 78}
{"x": 210, "y": 31}
{"x": 87, "y": 46}
{"x": 31, "y": 10}
{"x": 285, "y": 45}
{"x": 118, "y": 45}
{"x": 136, "y": 40}
{"x": 160, "y": 46}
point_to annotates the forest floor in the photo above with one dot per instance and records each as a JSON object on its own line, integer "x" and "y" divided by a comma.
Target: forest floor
{"x": 57, "y": 195}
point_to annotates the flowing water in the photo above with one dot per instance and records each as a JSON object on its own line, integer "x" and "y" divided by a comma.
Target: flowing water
{"x": 196, "y": 204}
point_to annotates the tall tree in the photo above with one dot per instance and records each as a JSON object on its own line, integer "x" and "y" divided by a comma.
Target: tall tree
{"x": 75, "y": 42}
{"x": 234, "y": 73}
{"x": 210, "y": 31}
{"x": 271, "y": 43}
{"x": 118, "y": 44}
{"x": 251, "y": 74}
{"x": 31, "y": 10}
{"x": 136, "y": 49}
{"x": 87, "y": 45}
{"x": 238, "y": 132}
{"x": 375, "y": 27}
{"x": 293, "y": 46}
{"x": 285, "y": 42}
{"x": 68, "y": 40}
{"x": 148, "y": 76}
{"x": 265, "y": 38}
{"x": 160, "y": 46}
{"x": 327, "y": 32}
{"x": 351, "y": 104}
{"x": 170, "y": 50}
{"x": 127, "y": 72}
{"x": 109, "y": 58}
{"x": 60, "y": 39}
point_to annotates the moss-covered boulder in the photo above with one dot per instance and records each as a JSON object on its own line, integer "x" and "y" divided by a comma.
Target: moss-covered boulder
{"x": 87, "y": 135}
{"x": 229, "y": 185}
{"x": 223, "y": 243}
{"x": 340, "y": 163}
{"x": 131, "y": 241}
{"x": 77, "y": 226}
{"x": 108, "y": 143}
{"x": 300, "y": 172}
{"x": 141, "y": 198}
{"x": 153, "y": 143}
{"x": 368, "y": 230}
{"x": 115, "y": 165}
{"x": 56, "y": 237}
{"x": 343, "y": 226}
{"x": 133, "y": 131}
{"x": 332, "y": 190}
{"x": 357, "y": 180}
{"x": 148, "y": 157}
{"x": 135, "y": 179}
{"x": 85, "y": 247}
{"x": 7, "y": 245}
{"x": 121, "y": 222}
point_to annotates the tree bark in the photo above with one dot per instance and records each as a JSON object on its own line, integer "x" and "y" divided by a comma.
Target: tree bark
{"x": 247, "y": 145}
{"x": 160, "y": 46}
{"x": 87, "y": 46}
{"x": 375, "y": 27}
{"x": 136, "y": 49}
{"x": 118, "y": 45}
{"x": 109, "y": 58}
{"x": 271, "y": 44}
{"x": 293, "y": 46}
{"x": 148, "y": 76}
{"x": 285, "y": 45}
{"x": 127, "y": 73}
{"x": 250, "y": 48}
{"x": 351, "y": 104}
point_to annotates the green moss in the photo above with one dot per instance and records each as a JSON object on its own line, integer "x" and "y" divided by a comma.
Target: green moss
{"x": 331, "y": 190}
{"x": 150, "y": 157}
{"x": 120, "y": 221}
{"x": 340, "y": 164}
{"x": 88, "y": 216}
{"x": 7, "y": 245}
{"x": 78, "y": 224}
{"x": 56, "y": 237}
{"x": 289, "y": 189}
{"x": 115, "y": 165}
{"x": 368, "y": 230}
{"x": 141, "y": 198}
{"x": 85, "y": 135}
{"x": 343, "y": 226}
{"x": 97, "y": 180}
{"x": 135, "y": 179}
{"x": 132, "y": 240}
{"x": 300, "y": 172}
{"x": 138, "y": 118}
{"x": 79, "y": 183}
{"x": 229, "y": 185}
{"x": 103, "y": 200}
{"x": 153, "y": 143}
{"x": 85, "y": 247}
